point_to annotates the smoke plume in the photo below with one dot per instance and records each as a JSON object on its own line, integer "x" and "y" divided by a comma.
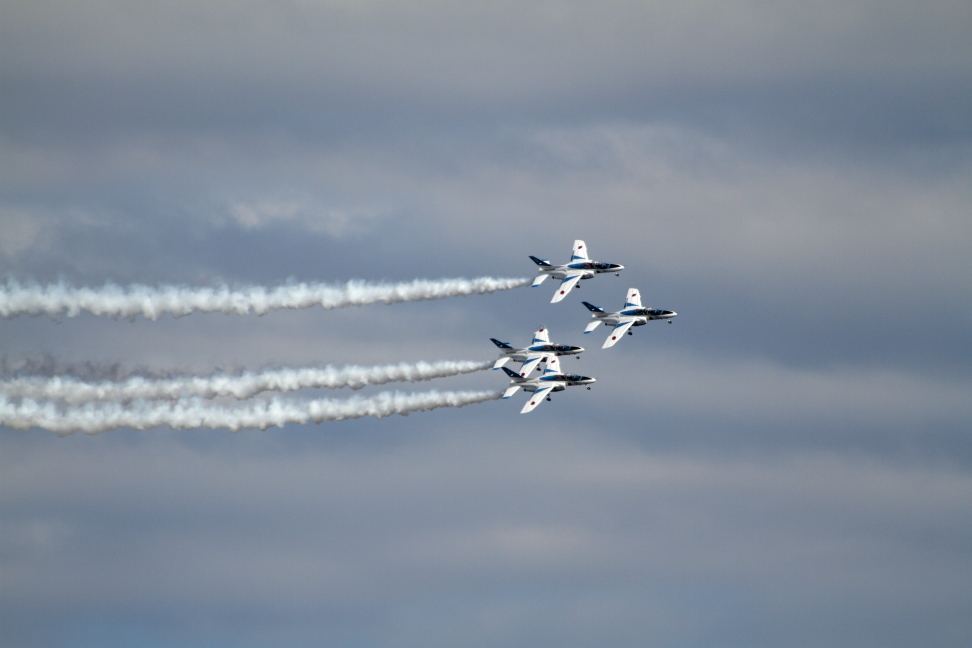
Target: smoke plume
{"x": 196, "y": 413}
{"x": 245, "y": 385}
{"x": 114, "y": 300}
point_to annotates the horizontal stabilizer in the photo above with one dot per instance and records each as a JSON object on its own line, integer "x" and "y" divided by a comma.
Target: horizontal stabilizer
{"x": 502, "y": 361}
{"x": 541, "y": 262}
{"x": 539, "y": 280}
{"x": 502, "y": 345}
{"x": 592, "y": 326}
{"x": 512, "y": 374}
{"x": 593, "y": 308}
{"x": 510, "y": 391}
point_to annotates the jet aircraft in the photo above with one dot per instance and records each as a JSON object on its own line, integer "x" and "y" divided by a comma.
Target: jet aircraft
{"x": 540, "y": 349}
{"x": 550, "y": 381}
{"x": 631, "y": 315}
{"x": 579, "y": 267}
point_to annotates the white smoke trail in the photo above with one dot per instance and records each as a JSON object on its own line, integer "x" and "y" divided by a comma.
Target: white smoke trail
{"x": 247, "y": 384}
{"x": 111, "y": 299}
{"x": 196, "y": 413}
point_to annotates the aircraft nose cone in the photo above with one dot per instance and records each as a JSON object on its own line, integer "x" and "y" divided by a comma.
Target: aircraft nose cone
{"x": 576, "y": 349}
{"x": 617, "y": 266}
{"x": 671, "y": 313}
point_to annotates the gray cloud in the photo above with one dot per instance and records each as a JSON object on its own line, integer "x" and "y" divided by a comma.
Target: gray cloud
{"x": 463, "y": 517}
{"x": 328, "y": 70}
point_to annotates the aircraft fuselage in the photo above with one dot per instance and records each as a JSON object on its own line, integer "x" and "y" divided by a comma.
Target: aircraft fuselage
{"x": 589, "y": 268}
{"x": 542, "y": 349}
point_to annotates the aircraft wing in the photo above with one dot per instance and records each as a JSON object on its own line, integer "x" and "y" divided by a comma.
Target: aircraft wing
{"x": 580, "y": 252}
{"x": 619, "y": 329}
{"x": 542, "y": 336}
{"x": 565, "y": 286}
{"x": 529, "y": 364}
{"x": 536, "y": 398}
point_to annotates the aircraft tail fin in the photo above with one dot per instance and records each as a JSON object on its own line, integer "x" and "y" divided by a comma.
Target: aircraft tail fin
{"x": 542, "y": 336}
{"x": 634, "y": 299}
{"x": 553, "y": 366}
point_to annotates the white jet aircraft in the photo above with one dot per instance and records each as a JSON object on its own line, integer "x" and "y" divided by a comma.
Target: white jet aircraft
{"x": 550, "y": 381}
{"x": 631, "y": 315}
{"x": 531, "y": 356}
{"x": 579, "y": 267}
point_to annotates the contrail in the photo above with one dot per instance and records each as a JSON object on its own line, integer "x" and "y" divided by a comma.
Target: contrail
{"x": 245, "y": 385}
{"x": 196, "y": 413}
{"x": 114, "y": 300}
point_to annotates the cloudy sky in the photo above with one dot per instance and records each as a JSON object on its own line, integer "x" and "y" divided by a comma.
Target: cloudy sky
{"x": 788, "y": 464}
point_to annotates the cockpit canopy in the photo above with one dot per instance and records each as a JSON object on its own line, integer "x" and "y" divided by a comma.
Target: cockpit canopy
{"x": 593, "y": 265}
{"x": 556, "y": 347}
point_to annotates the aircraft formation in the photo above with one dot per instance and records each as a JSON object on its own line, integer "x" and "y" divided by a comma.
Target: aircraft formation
{"x": 65, "y": 404}
{"x": 544, "y": 355}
